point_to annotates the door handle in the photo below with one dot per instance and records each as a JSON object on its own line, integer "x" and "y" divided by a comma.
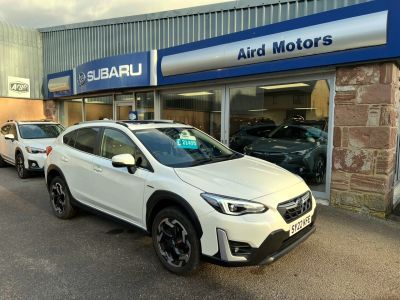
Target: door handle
{"x": 65, "y": 159}
{"x": 98, "y": 169}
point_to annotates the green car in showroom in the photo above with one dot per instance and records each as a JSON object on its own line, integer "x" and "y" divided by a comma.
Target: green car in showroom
{"x": 298, "y": 146}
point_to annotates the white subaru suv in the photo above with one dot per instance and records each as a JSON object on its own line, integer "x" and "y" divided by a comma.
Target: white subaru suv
{"x": 193, "y": 195}
{"x": 23, "y": 144}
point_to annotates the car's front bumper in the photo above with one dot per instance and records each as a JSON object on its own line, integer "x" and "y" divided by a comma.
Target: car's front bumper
{"x": 276, "y": 245}
{"x": 35, "y": 162}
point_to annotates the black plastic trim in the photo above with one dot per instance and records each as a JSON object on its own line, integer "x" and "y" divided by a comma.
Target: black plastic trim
{"x": 162, "y": 195}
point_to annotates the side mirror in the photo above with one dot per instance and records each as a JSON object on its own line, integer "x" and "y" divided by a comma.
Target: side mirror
{"x": 124, "y": 161}
{"x": 9, "y": 136}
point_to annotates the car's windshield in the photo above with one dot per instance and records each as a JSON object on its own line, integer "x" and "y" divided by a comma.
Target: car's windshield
{"x": 298, "y": 132}
{"x": 183, "y": 147}
{"x": 40, "y": 131}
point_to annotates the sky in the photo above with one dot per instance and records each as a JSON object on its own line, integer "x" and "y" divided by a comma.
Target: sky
{"x": 44, "y": 13}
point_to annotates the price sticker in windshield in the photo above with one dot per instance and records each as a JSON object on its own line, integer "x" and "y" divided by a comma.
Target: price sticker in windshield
{"x": 186, "y": 144}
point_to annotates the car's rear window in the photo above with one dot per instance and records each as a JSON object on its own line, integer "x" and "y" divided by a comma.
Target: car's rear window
{"x": 86, "y": 139}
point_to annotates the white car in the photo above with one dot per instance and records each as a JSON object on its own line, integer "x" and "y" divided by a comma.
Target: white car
{"x": 193, "y": 195}
{"x": 23, "y": 144}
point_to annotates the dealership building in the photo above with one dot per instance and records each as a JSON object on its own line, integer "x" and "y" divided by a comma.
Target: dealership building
{"x": 311, "y": 85}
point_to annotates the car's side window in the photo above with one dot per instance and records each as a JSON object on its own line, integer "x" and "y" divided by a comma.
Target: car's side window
{"x": 115, "y": 142}
{"x": 86, "y": 139}
{"x": 5, "y": 129}
{"x": 69, "y": 138}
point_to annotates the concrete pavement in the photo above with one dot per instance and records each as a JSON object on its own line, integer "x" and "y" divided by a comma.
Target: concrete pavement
{"x": 349, "y": 257}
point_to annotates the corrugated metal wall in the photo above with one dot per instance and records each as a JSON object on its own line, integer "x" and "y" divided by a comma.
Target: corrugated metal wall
{"x": 21, "y": 56}
{"x": 68, "y": 46}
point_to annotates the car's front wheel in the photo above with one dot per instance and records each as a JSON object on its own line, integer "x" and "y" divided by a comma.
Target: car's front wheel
{"x": 175, "y": 241}
{"x": 20, "y": 165}
{"x": 60, "y": 199}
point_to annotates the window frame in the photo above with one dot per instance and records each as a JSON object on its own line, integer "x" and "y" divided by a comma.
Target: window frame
{"x": 95, "y": 144}
{"x": 100, "y": 142}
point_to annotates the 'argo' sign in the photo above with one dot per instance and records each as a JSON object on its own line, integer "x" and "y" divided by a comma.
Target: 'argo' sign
{"x": 18, "y": 87}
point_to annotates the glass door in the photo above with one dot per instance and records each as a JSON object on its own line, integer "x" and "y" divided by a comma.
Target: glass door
{"x": 140, "y": 103}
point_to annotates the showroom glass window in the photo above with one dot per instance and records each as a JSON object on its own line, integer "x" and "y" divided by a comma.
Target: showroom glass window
{"x": 70, "y": 112}
{"x": 99, "y": 108}
{"x": 286, "y": 124}
{"x": 199, "y": 108}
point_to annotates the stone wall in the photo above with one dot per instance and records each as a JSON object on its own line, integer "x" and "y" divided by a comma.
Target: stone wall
{"x": 365, "y": 136}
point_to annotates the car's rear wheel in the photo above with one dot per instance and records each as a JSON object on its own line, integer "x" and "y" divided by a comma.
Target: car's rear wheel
{"x": 319, "y": 171}
{"x": 60, "y": 199}
{"x": 175, "y": 241}
{"x": 20, "y": 166}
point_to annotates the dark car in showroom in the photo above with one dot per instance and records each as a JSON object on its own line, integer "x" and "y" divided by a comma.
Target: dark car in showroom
{"x": 298, "y": 146}
{"x": 249, "y": 134}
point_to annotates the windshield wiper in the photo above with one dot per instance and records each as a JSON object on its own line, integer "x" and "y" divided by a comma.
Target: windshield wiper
{"x": 227, "y": 157}
{"x": 201, "y": 162}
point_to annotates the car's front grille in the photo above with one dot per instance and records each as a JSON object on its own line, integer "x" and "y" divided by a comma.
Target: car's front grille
{"x": 275, "y": 158}
{"x": 295, "y": 208}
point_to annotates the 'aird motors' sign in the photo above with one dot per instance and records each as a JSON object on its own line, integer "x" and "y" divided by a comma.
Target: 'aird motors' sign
{"x": 18, "y": 87}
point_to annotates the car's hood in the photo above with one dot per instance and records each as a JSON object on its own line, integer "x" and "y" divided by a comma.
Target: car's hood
{"x": 280, "y": 145}
{"x": 246, "y": 178}
{"x": 39, "y": 143}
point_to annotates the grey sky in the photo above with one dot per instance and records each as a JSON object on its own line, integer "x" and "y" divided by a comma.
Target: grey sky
{"x": 43, "y": 13}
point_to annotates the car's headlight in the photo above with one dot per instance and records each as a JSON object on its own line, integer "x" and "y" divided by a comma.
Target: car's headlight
{"x": 233, "y": 206}
{"x": 34, "y": 150}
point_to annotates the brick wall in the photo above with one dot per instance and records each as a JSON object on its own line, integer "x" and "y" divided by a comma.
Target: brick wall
{"x": 365, "y": 136}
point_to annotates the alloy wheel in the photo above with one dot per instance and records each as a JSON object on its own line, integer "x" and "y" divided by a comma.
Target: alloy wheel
{"x": 173, "y": 242}
{"x": 20, "y": 166}
{"x": 58, "y": 198}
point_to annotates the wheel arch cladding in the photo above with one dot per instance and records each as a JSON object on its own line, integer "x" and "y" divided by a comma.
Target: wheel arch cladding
{"x": 52, "y": 172}
{"x": 162, "y": 199}
{"x": 18, "y": 151}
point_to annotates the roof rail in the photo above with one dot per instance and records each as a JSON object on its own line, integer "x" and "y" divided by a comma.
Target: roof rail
{"x": 96, "y": 121}
{"x": 41, "y": 120}
{"x": 151, "y": 122}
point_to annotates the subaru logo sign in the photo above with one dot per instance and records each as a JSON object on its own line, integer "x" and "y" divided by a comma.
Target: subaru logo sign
{"x": 114, "y": 72}
{"x": 81, "y": 79}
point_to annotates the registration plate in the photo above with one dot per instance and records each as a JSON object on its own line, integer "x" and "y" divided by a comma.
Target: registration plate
{"x": 299, "y": 225}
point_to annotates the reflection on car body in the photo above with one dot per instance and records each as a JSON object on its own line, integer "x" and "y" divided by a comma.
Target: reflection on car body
{"x": 298, "y": 146}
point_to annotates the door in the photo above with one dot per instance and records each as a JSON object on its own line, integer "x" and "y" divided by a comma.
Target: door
{"x": 116, "y": 190}
{"x": 76, "y": 161}
{"x": 122, "y": 110}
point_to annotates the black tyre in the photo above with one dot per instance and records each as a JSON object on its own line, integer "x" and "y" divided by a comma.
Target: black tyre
{"x": 22, "y": 172}
{"x": 175, "y": 241}
{"x": 3, "y": 164}
{"x": 60, "y": 199}
{"x": 319, "y": 171}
